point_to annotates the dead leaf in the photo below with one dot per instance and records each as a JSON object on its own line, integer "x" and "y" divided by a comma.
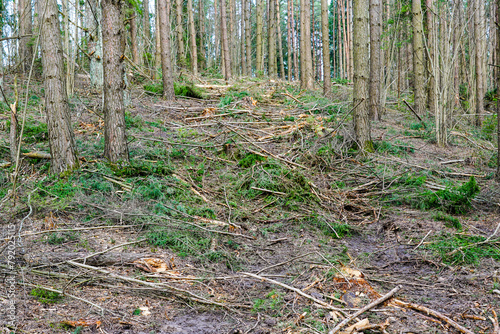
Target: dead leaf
{"x": 152, "y": 265}
{"x": 82, "y": 323}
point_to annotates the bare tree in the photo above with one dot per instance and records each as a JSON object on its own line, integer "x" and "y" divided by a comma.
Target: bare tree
{"x": 327, "y": 81}
{"x": 61, "y": 141}
{"x": 271, "y": 40}
{"x": 225, "y": 41}
{"x": 25, "y": 30}
{"x": 166, "y": 62}
{"x": 431, "y": 35}
{"x": 259, "y": 27}
{"x": 181, "y": 55}
{"x": 480, "y": 36}
{"x": 192, "y": 38}
{"x": 418, "y": 57}
{"x": 306, "y": 71}
{"x": 361, "y": 74}
{"x": 134, "y": 45}
{"x": 93, "y": 14}
{"x": 115, "y": 142}
{"x": 375, "y": 58}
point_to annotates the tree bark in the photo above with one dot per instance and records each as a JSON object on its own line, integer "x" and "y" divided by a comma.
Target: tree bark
{"x": 166, "y": 62}
{"x": 181, "y": 55}
{"x": 225, "y": 41}
{"x": 497, "y": 176}
{"x": 94, "y": 44}
{"x": 271, "y": 40}
{"x": 115, "y": 142}
{"x": 431, "y": 35}
{"x": 192, "y": 33}
{"x": 327, "y": 80}
{"x": 242, "y": 39}
{"x": 157, "y": 63}
{"x": 306, "y": 78}
{"x": 25, "y": 29}
{"x": 294, "y": 42}
{"x": 201, "y": 35}
{"x": 133, "y": 36}
{"x": 280, "y": 40}
{"x": 146, "y": 26}
{"x": 248, "y": 38}
{"x": 375, "y": 58}
{"x": 361, "y": 74}
{"x": 259, "y": 27}
{"x": 289, "y": 39}
{"x": 479, "y": 58}
{"x": 232, "y": 36}
{"x": 418, "y": 58}
{"x": 61, "y": 141}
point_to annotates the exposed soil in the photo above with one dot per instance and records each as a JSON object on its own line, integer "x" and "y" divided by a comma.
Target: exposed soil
{"x": 278, "y": 240}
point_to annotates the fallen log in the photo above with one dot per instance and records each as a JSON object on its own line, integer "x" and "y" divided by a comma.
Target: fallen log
{"x": 106, "y": 259}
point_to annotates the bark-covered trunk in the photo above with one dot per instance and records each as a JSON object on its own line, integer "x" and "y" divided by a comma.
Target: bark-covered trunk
{"x": 61, "y": 141}
{"x": 25, "y": 30}
{"x": 232, "y": 36}
{"x": 431, "y": 35}
{"x": 259, "y": 60}
{"x": 271, "y": 40}
{"x": 248, "y": 39}
{"x": 192, "y": 38}
{"x": 498, "y": 89}
{"x": 375, "y": 58}
{"x": 146, "y": 26}
{"x": 134, "y": 45}
{"x": 166, "y": 62}
{"x": 306, "y": 71}
{"x": 225, "y": 41}
{"x": 242, "y": 39}
{"x": 289, "y": 39}
{"x": 418, "y": 57}
{"x": 327, "y": 81}
{"x": 157, "y": 63}
{"x": 115, "y": 141}
{"x": 181, "y": 55}
{"x": 294, "y": 42}
{"x": 201, "y": 35}
{"x": 479, "y": 58}
{"x": 280, "y": 40}
{"x": 94, "y": 41}
{"x": 361, "y": 74}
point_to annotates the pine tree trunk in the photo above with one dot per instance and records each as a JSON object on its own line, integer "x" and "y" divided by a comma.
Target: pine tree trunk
{"x": 248, "y": 38}
{"x": 25, "y": 29}
{"x": 225, "y": 41}
{"x": 61, "y": 141}
{"x": 192, "y": 33}
{"x": 233, "y": 51}
{"x": 431, "y": 35}
{"x": 166, "y": 62}
{"x": 497, "y": 177}
{"x": 294, "y": 41}
{"x": 201, "y": 35}
{"x": 259, "y": 27}
{"x": 327, "y": 81}
{"x": 479, "y": 58}
{"x": 418, "y": 58}
{"x": 94, "y": 44}
{"x": 361, "y": 75}
{"x": 289, "y": 39}
{"x": 113, "y": 41}
{"x": 271, "y": 43}
{"x": 158, "y": 63}
{"x": 306, "y": 79}
{"x": 375, "y": 58}
{"x": 280, "y": 40}
{"x": 146, "y": 26}
{"x": 242, "y": 39}
{"x": 133, "y": 36}
{"x": 181, "y": 55}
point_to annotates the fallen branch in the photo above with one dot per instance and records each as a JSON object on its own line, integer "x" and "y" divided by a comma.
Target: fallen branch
{"x": 297, "y": 291}
{"x": 37, "y": 155}
{"x": 364, "y": 309}
{"x": 71, "y": 230}
{"x": 282, "y": 263}
{"x": 494, "y": 320}
{"x": 97, "y": 259}
{"x": 413, "y": 111}
{"x": 435, "y": 314}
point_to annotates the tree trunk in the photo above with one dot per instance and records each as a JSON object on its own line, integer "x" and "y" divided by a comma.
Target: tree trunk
{"x": 498, "y": 90}
{"x": 418, "y": 58}
{"x": 225, "y": 41}
{"x": 280, "y": 40}
{"x": 248, "y": 39}
{"x": 259, "y": 60}
{"x": 289, "y": 39}
{"x": 327, "y": 80}
{"x": 479, "y": 58}
{"x": 361, "y": 74}
{"x": 146, "y": 26}
{"x": 192, "y": 33}
{"x": 294, "y": 41}
{"x": 166, "y": 62}
{"x": 94, "y": 44}
{"x": 201, "y": 35}
{"x": 232, "y": 36}
{"x": 61, "y": 141}
{"x": 181, "y": 56}
{"x": 242, "y": 39}
{"x": 431, "y": 35}
{"x": 106, "y": 259}
{"x": 25, "y": 28}
{"x": 375, "y": 58}
{"x": 133, "y": 36}
{"x": 271, "y": 40}
{"x": 115, "y": 142}
{"x": 306, "y": 79}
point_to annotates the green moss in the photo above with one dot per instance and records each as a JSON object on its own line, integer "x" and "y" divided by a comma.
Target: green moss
{"x": 449, "y": 221}
{"x": 250, "y": 159}
{"x": 46, "y": 296}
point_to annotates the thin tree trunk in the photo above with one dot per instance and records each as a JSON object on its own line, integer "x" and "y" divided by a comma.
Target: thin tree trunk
{"x": 280, "y": 40}
{"x": 133, "y": 36}
{"x": 166, "y": 62}
{"x": 418, "y": 58}
{"x": 192, "y": 32}
{"x": 25, "y": 29}
{"x": 306, "y": 79}
{"x": 259, "y": 26}
{"x": 94, "y": 44}
{"x": 67, "y": 50}
{"x": 248, "y": 39}
{"x": 294, "y": 41}
{"x": 272, "y": 66}
{"x": 289, "y": 39}
{"x": 361, "y": 74}
{"x": 115, "y": 141}
{"x": 225, "y": 41}
{"x": 498, "y": 90}
{"x": 181, "y": 56}
{"x": 242, "y": 39}
{"x": 201, "y": 35}
{"x": 61, "y": 141}
{"x": 327, "y": 81}
{"x": 232, "y": 36}
{"x": 146, "y": 26}
{"x": 431, "y": 35}
{"x": 157, "y": 41}
{"x": 479, "y": 58}
{"x": 375, "y": 58}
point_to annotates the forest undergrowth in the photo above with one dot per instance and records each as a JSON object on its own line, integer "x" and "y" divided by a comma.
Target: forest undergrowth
{"x": 246, "y": 208}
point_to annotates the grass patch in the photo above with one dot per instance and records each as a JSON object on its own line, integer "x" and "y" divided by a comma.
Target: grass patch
{"x": 273, "y": 301}
{"x": 250, "y": 159}
{"x": 331, "y": 229}
{"x": 449, "y": 221}
{"x": 470, "y": 252}
{"x": 396, "y": 148}
{"x": 60, "y": 238}
{"x": 46, "y": 296}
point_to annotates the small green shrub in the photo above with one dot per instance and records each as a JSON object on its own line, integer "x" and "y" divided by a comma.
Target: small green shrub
{"x": 250, "y": 159}
{"x": 35, "y": 133}
{"x": 60, "y": 238}
{"x": 449, "y": 221}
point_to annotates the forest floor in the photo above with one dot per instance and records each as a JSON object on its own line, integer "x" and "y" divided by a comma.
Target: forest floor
{"x": 250, "y": 211}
